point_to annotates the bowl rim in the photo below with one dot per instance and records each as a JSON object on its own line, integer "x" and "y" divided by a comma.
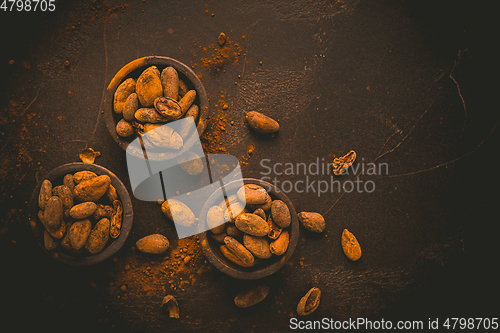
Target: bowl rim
{"x": 123, "y": 72}
{"x": 229, "y": 268}
{"x": 109, "y": 251}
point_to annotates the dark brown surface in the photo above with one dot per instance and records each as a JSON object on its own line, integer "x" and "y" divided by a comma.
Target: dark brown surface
{"x": 136, "y": 67}
{"x": 399, "y": 82}
{"x": 82, "y": 259}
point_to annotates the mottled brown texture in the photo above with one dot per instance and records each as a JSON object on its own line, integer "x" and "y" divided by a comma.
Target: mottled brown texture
{"x": 178, "y": 212}
{"x": 185, "y": 129}
{"x": 191, "y": 163}
{"x": 258, "y": 246}
{"x": 78, "y": 233}
{"x": 66, "y": 196}
{"x": 274, "y": 229}
{"x": 309, "y": 303}
{"x": 170, "y": 82}
{"x": 280, "y": 213}
{"x": 239, "y": 251}
{"x": 219, "y": 237}
{"x": 172, "y": 306}
{"x": 236, "y": 210}
{"x": 83, "y": 210}
{"x": 65, "y": 241}
{"x": 187, "y": 100}
{"x": 149, "y": 115}
{"x": 183, "y": 88}
{"x": 163, "y": 136}
{"x": 80, "y": 176}
{"x": 41, "y": 217}
{"x": 234, "y": 232}
{"x": 92, "y": 189}
{"x": 262, "y": 123}
{"x": 45, "y": 193}
{"x": 112, "y": 194}
{"x": 251, "y": 296}
{"x": 265, "y": 206}
{"x": 98, "y": 237}
{"x": 148, "y": 87}
{"x": 48, "y": 241}
{"x": 124, "y": 128}
{"x": 232, "y": 199}
{"x": 221, "y": 40}
{"x": 116, "y": 219}
{"x": 123, "y": 91}
{"x": 341, "y": 164}
{"x": 168, "y": 108}
{"x": 252, "y": 224}
{"x": 215, "y": 219}
{"x": 131, "y": 105}
{"x": 280, "y": 245}
{"x": 260, "y": 212}
{"x": 252, "y": 194}
{"x": 88, "y": 155}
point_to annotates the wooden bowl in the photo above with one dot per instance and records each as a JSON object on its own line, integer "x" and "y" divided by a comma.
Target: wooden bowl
{"x": 267, "y": 266}
{"x": 133, "y": 70}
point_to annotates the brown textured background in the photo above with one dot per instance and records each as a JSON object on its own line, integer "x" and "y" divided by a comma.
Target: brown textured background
{"x": 400, "y": 82}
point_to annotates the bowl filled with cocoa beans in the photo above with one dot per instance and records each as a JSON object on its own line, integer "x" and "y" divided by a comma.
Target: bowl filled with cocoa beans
{"x": 149, "y": 94}
{"x": 253, "y": 232}
{"x": 80, "y": 214}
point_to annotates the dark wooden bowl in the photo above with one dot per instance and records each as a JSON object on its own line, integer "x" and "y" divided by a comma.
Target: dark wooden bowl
{"x": 133, "y": 70}
{"x": 82, "y": 258}
{"x": 266, "y": 267}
